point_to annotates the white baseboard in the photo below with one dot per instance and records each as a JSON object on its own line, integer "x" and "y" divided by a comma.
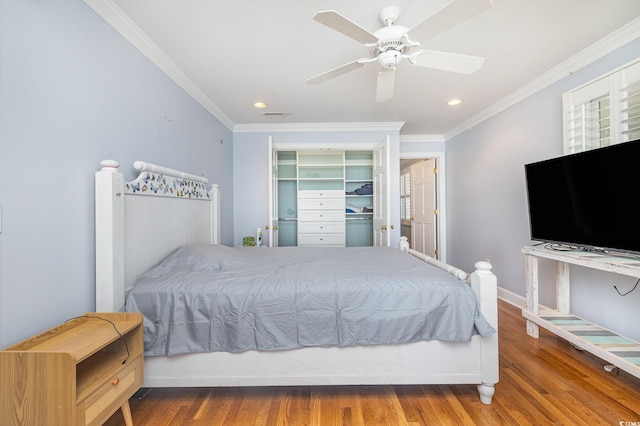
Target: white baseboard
{"x": 512, "y": 298}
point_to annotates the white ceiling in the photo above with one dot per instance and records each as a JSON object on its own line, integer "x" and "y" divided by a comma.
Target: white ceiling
{"x": 232, "y": 53}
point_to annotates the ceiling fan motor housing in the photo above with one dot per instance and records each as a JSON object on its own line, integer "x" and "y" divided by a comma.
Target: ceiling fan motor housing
{"x": 392, "y": 43}
{"x": 389, "y": 58}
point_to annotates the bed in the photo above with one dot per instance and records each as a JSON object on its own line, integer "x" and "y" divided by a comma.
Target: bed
{"x": 145, "y": 227}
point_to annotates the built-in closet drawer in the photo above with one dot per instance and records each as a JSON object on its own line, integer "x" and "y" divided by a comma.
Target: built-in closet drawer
{"x": 315, "y": 240}
{"x": 321, "y": 218}
{"x": 321, "y": 204}
{"x": 320, "y": 194}
{"x": 321, "y": 215}
{"x": 321, "y": 227}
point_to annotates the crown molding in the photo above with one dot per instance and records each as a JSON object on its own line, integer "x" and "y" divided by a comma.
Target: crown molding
{"x": 606, "y": 45}
{"x": 393, "y": 126}
{"x": 115, "y": 17}
{"x": 119, "y": 20}
{"x": 421, "y": 138}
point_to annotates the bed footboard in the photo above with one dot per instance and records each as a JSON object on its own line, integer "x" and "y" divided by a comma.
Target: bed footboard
{"x": 484, "y": 284}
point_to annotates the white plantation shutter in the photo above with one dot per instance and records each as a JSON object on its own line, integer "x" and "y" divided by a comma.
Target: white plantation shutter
{"x": 603, "y": 112}
{"x": 405, "y": 197}
{"x": 630, "y": 103}
{"x": 587, "y": 117}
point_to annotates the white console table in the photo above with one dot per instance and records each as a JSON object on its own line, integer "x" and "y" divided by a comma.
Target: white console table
{"x": 618, "y": 350}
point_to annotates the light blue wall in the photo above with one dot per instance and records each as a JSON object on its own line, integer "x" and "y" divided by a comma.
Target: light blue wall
{"x": 487, "y": 207}
{"x": 252, "y": 176}
{"x": 421, "y": 146}
{"x": 72, "y": 93}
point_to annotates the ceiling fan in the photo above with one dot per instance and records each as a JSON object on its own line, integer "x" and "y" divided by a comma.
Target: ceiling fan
{"x": 391, "y": 43}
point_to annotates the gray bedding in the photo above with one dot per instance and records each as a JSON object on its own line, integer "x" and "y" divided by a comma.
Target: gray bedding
{"x": 217, "y": 298}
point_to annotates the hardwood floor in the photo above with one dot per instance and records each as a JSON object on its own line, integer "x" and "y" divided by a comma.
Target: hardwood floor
{"x": 542, "y": 382}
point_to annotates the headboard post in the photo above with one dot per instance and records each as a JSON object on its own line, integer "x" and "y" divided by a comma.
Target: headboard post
{"x": 214, "y": 195}
{"x": 109, "y": 205}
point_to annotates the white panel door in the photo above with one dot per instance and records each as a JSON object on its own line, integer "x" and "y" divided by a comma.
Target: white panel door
{"x": 272, "y": 227}
{"x": 423, "y": 207}
{"x": 381, "y": 189}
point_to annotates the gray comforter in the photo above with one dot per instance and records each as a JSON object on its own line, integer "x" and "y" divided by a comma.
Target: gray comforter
{"x": 216, "y": 298}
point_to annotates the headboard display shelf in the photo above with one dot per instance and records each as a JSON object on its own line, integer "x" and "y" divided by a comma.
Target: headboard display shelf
{"x": 620, "y": 351}
{"x": 165, "y": 182}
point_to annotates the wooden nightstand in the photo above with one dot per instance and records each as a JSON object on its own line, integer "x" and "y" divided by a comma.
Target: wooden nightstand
{"x": 78, "y": 373}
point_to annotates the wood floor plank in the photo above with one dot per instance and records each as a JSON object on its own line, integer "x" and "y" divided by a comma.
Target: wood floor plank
{"x": 395, "y": 406}
{"x": 202, "y": 402}
{"x": 408, "y": 397}
{"x": 351, "y": 407}
{"x": 543, "y": 381}
{"x": 280, "y": 406}
{"x": 549, "y": 408}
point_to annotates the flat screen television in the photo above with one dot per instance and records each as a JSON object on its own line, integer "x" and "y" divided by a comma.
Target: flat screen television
{"x": 587, "y": 200}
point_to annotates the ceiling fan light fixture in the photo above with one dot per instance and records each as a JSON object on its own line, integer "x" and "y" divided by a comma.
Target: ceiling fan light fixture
{"x": 389, "y": 59}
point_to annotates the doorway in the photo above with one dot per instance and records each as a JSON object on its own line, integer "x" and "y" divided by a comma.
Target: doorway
{"x": 422, "y": 202}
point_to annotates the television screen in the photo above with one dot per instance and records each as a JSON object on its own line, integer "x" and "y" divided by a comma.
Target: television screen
{"x": 587, "y": 199}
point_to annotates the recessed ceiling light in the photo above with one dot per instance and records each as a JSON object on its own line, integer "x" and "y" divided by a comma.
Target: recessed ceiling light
{"x": 260, "y": 104}
{"x": 454, "y": 102}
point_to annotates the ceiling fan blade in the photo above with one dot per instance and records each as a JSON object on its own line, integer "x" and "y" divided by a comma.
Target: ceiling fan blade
{"x": 447, "y": 17}
{"x": 386, "y": 83}
{"x": 342, "y": 69}
{"x": 446, "y": 61}
{"x": 336, "y": 21}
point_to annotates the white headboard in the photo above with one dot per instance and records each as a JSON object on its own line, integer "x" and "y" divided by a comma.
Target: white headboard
{"x": 139, "y": 223}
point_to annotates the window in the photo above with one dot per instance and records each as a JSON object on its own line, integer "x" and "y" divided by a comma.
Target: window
{"x": 405, "y": 196}
{"x": 603, "y": 112}
{"x": 631, "y": 110}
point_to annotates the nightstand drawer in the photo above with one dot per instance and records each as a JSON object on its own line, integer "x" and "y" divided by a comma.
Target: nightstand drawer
{"x": 320, "y": 203}
{"x": 321, "y": 227}
{"x": 100, "y": 405}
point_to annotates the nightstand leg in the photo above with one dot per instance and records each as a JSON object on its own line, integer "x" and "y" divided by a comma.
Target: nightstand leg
{"x": 126, "y": 413}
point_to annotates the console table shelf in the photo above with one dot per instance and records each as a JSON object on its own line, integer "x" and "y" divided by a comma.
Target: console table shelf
{"x": 618, "y": 350}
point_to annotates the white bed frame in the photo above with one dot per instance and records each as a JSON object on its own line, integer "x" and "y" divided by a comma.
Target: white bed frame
{"x": 138, "y": 223}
